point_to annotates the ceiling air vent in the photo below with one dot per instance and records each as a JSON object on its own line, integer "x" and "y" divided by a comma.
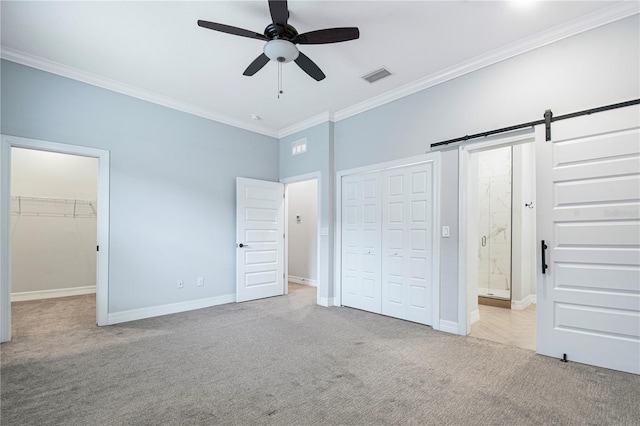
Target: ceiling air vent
{"x": 376, "y": 75}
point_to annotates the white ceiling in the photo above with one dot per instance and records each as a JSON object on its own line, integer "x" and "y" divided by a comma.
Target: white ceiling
{"x": 155, "y": 50}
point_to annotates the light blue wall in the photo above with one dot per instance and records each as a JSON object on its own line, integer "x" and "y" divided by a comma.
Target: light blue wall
{"x": 316, "y": 159}
{"x": 172, "y": 181}
{"x": 595, "y": 68}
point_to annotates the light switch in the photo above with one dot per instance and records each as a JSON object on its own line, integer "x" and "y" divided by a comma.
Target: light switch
{"x": 445, "y": 232}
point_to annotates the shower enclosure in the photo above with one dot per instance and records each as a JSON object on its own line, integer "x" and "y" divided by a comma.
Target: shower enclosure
{"x": 494, "y": 254}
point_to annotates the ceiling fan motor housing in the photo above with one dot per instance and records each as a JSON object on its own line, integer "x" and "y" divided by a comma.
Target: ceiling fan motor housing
{"x": 275, "y": 31}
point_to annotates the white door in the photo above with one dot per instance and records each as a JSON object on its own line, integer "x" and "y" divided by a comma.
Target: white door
{"x": 407, "y": 236}
{"x": 361, "y": 220}
{"x": 588, "y": 183}
{"x": 259, "y": 239}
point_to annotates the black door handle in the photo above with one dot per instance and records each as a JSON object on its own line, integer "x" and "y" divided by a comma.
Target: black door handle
{"x": 240, "y": 245}
{"x": 543, "y": 248}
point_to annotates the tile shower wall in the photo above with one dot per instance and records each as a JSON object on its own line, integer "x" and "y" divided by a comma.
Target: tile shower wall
{"x": 494, "y": 169}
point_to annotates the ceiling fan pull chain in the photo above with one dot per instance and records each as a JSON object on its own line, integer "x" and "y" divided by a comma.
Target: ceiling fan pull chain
{"x": 279, "y": 79}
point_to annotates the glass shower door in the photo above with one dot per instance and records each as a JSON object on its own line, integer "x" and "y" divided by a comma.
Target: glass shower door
{"x": 494, "y": 252}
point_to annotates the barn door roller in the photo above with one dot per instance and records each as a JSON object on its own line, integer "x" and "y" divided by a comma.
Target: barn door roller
{"x": 548, "y": 116}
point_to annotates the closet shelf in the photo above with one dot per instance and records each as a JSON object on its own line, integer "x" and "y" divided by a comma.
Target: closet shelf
{"x": 56, "y": 207}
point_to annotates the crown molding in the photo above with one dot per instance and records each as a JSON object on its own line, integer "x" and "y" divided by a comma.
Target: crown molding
{"x": 125, "y": 89}
{"x": 554, "y": 34}
{"x": 306, "y": 124}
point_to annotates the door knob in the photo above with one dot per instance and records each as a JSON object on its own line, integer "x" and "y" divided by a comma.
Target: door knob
{"x": 242, "y": 245}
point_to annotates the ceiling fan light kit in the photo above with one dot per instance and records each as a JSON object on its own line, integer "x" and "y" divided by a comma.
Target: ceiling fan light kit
{"x": 281, "y": 39}
{"x": 281, "y": 51}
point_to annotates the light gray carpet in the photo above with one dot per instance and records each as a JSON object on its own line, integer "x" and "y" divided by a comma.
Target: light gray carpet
{"x": 286, "y": 361}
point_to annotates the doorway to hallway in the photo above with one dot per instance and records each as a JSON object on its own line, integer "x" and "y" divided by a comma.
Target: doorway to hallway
{"x": 302, "y": 235}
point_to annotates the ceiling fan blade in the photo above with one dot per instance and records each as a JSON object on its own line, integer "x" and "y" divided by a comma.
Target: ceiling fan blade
{"x": 329, "y": 35}
{"x": 256, "y": 65}
{"x": 279, "y": 12}
{"x": 231, "y": 30}
{"x": 309, "y": 67}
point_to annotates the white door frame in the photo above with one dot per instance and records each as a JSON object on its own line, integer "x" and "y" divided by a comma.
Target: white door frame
{"x": 433, "y": 157}
{"x": 102, "y": 266}
{"x": 322, "y": 284}
{"x": 466, "y": 239}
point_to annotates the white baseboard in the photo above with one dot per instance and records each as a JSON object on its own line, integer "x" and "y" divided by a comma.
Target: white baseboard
{"x": 327, "y": 301}
{"x": 524, "y": 303}
{"x": 302, "y": 280}
{"x": 448, "y": 326}
{"x": 49, "y": 294}
{"x": 474, "y": 316}
{"x": 173, "y": 308}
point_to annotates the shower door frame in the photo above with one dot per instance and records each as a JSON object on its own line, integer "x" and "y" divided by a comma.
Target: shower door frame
{"x": 477, "y": 152}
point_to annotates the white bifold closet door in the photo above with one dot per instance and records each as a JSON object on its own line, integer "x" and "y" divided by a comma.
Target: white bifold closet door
{"x": 387, "y": 242}
{"x": 361, "y": 244}
{"x": 407, "y": 233}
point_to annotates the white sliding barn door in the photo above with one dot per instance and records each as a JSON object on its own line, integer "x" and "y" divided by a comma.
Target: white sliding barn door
{"x": 260, "y": 239}
{"x": 588, "y": 183}
{"x": 361, "y": 219}
{"x": 407, "y": 236}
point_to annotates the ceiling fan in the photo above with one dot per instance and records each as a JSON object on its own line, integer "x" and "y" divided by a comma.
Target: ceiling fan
{"x": 281, "y": 39}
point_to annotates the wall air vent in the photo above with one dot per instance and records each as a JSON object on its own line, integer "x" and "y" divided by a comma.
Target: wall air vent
{"x": 376, "y": 75}
{"x": 299, "y": 147}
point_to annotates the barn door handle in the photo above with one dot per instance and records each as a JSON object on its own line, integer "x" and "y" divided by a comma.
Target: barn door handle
{"x": 543, "y": 248}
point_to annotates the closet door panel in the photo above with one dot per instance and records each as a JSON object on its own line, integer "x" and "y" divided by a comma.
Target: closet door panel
{"x": 351, "y": 285}
{"x": 370, "y": 242}
{"x": 406, "y": 240}
{"x": 420, "y": 227}
{"x": 394, "y": 242}
{"x": 361, "y": 212}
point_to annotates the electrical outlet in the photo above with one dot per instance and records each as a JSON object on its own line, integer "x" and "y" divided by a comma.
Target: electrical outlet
{"x": 200, "y": 281}
{"x": 180, "y": 284}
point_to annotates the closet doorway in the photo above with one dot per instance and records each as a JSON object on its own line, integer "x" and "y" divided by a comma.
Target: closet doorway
{"x": 54, "y": 223}
{"x": 387, "y": 243}
{"x": 53, "y": 240}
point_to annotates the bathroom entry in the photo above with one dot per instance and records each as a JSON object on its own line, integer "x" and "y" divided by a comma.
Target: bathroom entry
{"x": 494, "y": 228}
{"x": 500, "y": 244}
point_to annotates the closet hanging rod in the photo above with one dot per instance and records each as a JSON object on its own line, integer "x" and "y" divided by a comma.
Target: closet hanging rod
{"x": 548, "y": 119}
{"x": 47, "y": 206}
{"x": 61, "y": 200}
